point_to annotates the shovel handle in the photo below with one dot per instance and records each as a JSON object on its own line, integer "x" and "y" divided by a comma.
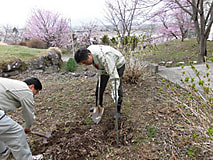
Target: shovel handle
{"x": 99, "y": 88}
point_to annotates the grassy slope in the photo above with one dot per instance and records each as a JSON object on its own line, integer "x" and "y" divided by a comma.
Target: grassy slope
{"x": 24, "y": 53}
{"x": 177, "y": 51}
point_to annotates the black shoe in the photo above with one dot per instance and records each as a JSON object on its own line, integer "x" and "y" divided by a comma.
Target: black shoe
{"x": 91, "y": 109}
{"x": 117, "y": 114}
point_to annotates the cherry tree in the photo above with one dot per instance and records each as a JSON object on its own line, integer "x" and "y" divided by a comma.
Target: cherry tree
{"x": 202, "y": 18}
{"x": 48, "y": 27}
{"x": 88, "y": 34}
{"x": 174, "y": 22}
{"x": 201, "y": 13}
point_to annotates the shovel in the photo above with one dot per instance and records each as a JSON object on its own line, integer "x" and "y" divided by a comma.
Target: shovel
{"x": 44, "y": 136}
{"x": 41, "y": 135}
{"x": 116, "y": 113}
{"x": 98, "y": 110}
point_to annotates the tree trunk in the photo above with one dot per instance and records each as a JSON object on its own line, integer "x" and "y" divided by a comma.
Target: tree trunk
{"x": 202, "y": 52}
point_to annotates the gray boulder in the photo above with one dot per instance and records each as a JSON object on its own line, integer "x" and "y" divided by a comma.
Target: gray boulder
{"x": 51, "y": 62}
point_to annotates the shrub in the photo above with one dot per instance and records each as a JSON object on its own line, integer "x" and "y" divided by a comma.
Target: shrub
{"x": 105, "y": 40}
{"x": 71, "y": 65}
{"x": 35, "y": 43}
{"x": 135, "y": 69}
{"x": 22, "y": 43}
{"x": 13, "y": 43}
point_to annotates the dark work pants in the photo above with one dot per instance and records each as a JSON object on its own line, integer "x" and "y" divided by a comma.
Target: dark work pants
{"x": 104, "y": 80}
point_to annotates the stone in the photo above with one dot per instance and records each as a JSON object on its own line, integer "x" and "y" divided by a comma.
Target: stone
{"x": 49, "y": 63}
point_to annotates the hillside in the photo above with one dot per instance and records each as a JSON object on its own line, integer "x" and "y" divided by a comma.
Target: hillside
{"x": 152, "y": 125}
{"x": 176, "y": 51}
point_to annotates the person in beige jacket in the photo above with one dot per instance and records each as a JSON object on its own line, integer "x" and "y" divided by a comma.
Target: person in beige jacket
{"x": 110, "y": 64}
{"x": 15, "y": 94}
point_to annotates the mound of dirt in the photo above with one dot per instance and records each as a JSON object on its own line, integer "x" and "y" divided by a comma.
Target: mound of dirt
{"x": 82, "y": 141}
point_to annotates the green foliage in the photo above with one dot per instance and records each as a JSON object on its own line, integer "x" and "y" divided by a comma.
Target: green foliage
{"x": 194, "y": 135}
{"x": 210, "y": 131}
{"x": 114, "y": 41}
{"x": 105, "y": 40}
{"x": 190, "y": 153}
{"x": 211, "y": 59}
{"x": 151, "y": 132}
{"x": 131, "y": 42}
{"x": 71, "y": 65}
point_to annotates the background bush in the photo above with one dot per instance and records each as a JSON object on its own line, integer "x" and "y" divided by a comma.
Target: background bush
{"x": 22, "y": 43}
{"x": 35, "y": 43}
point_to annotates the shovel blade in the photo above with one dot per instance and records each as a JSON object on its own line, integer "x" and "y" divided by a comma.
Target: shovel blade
{"x": 47, "y": 135}
{"x": 97, "y": 114}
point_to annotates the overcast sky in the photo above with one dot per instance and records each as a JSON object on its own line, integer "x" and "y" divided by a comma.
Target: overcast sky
{"x": 16, "y": 12}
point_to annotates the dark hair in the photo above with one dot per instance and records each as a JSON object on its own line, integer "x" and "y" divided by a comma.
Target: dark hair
{"x": 35, "y": 81}
{"x": 81, "y": 54}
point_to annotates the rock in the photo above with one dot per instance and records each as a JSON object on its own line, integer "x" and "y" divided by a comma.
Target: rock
{"x": 3, "y": 44}
{"x": 89, "y": 73}
{"x": 153, "y": 68}
{"x": 11, "y": 73}
{"x": 12, "y": 67}
{"x": 1, "y": 71}
{"x": 49, "y": 63}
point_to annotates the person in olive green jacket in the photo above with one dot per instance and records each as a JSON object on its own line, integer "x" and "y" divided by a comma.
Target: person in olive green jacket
{"x": 15, "y": 94}
{"x": 110, "y": 64}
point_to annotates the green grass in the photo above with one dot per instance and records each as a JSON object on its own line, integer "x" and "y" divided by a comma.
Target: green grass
{"x": 24, "y": 53}
{"x": 177, "y": 51}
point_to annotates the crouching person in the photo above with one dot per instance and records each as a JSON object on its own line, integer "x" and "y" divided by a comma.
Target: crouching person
{"x": 15, "y": 94}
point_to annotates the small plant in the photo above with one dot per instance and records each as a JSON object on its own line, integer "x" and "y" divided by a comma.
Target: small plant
{"x": 190, "y": 153}
{"x": 71, "y": 65}
{"x": 211, "y": 59}
{"x": 151, "y": 132}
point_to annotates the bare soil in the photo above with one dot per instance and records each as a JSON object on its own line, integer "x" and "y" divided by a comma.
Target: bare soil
{"x": 150, "y": 127}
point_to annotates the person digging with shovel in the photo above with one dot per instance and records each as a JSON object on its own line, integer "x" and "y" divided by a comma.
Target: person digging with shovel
{"x": 15, "y": 94}
{"x": 110, "y": 64}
